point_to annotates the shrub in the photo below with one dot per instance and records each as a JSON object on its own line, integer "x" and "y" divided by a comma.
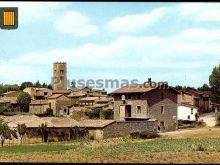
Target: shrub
{"x": 93, "y": 113}
{"x": 149, "y": 134}
{"x": 135, "y": 135}
{"x": 108, "y": 114}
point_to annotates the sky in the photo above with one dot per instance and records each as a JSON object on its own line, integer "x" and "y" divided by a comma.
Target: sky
{"x": 174, "y": 42}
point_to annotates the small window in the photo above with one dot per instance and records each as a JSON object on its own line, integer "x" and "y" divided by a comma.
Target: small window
{"x": 188, "y": 116}
{"x": 162, "y": 95}
{"x": 191, "y": 111}
{"x": 138, "y": 109}
{"x": 162, "y": 124}
{"x": 162, "y": 110}
{"x": 129, "y": 97}
{"x": 138, "y": 97}
{"x": 61, "y": 71}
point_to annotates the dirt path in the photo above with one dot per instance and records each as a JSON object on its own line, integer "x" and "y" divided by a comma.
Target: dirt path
{"x": 209, "y": 119}
{"x": 205, "y": 132}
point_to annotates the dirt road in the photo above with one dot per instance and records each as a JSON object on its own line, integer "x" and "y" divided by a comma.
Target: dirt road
{"x": 209, "y": 119}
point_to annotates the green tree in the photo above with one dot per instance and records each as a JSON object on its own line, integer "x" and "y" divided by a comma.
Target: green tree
{"x": 21, "y": 131}
{"x": 178, "y": 87}
{"x": 7, "y": 107}
{"x": 49, "y": 86}
{"x": 24, "y": 100}
{"x": 43, "y": 131}
{"x": 38, "y": 84}
{"x": 205, "y": 87}
{"x": 6, "y": 132}
{"x": 214, "y": 82}
{"x": 25, "y": 85}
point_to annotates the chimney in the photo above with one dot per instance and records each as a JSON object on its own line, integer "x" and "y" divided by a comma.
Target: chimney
{"x": 149, "y": 81}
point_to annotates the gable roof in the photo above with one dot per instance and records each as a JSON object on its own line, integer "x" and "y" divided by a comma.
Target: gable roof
{"x": 55, "y": 96}
{"x": 138, "y": 88}
{"x": 33, "y": 121}
{"x": 95, "y": 123}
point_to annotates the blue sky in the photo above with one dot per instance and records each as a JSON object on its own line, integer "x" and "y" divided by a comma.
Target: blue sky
{"x": 174, "y": 42}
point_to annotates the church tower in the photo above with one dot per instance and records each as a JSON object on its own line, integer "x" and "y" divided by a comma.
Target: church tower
{"x": 59, "y": 76}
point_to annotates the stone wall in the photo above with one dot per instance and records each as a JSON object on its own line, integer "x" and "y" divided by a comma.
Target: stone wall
{"x": 134, "y": 104}
{"x": 125, "y": 128}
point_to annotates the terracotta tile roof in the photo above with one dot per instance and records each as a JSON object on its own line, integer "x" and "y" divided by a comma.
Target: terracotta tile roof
{"x": 61, "y": 91}
{"x": 76, "y": 94}
{"x": 12, "y": 100}
{"x": 39, "y": 102}
{"x": 10, "y": 92}
{"x": 133, "y": 89}
{"x": 34, "y": 121}
{"x": 55, "y": 96}
{"x": 95, "y": 123}
{"x": 89, "y": 99}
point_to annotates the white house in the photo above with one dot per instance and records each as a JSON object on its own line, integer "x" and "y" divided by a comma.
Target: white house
{"x": 186, "y": 112}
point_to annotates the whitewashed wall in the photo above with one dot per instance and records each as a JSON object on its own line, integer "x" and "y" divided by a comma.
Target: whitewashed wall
{"x": 184, "y": 111}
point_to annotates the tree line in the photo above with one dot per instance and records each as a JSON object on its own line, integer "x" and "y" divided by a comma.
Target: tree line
{"x": 15, "y": 87}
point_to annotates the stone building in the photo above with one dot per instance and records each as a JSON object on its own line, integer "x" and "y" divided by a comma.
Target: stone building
{"x": 59, "y": 76}
{"x": 58, "y": 102}
{"x": 38, "y": 106}
{"x": 139, "y": 102}
{"x": 102, "y": 129}
{"x": 38, "y": 93}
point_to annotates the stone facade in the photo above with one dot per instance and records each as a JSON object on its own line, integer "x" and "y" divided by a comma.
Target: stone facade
{"x": 122, "y": 129}
{"x": 160, "y": 104}
{"x": 59, "y": 76}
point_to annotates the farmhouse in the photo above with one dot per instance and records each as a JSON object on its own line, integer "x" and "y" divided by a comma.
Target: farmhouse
{"x": 102, "y": 129}
{"x": 57, "y": 129}
{"x": 139, "y": 101}
{"x": 186, "y": 112}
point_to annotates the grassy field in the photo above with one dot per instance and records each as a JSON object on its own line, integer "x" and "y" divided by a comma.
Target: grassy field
{"x": 168, "y": 149}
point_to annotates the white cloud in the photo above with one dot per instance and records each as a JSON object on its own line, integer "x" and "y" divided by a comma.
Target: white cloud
{"x": 133, "y": 23}
{"x": 76, "y": 24}
{"x": 199, "y": 11}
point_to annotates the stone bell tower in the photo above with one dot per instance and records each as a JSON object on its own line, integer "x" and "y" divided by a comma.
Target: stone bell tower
{"x": 59, "y": 76}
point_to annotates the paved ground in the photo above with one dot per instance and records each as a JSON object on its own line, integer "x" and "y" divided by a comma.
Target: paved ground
{"x": 209, "y": 119}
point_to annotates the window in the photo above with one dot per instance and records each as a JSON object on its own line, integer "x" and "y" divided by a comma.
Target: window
{"x": 61, "y": 71}
{"x": 162, "y": 110}
{"x": 191, "y": 111}
{"x": 162, "y": 95}
{"x": 162, "y": 124}
{"x": 138, "y": 109}
{"x": 129, "y": 97}
{"x": 139, "y": 97}
{"x": 188, "y": 116}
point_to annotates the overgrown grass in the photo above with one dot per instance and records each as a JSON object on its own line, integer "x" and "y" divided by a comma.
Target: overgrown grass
{"x": 157, "y": 145}
{"x": 118, "y": 150}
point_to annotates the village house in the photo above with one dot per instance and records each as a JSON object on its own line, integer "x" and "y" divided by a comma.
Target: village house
{"x": 38, "y": 93}
{"x": 139, "y": 102}
{"x": 202, "y": 100}
{"x": 187, "y": 112}
{"x": 57, "y": 128}
{"x": 102, "y": 129}
{"x": 59, "y": 102}
{"x": 38, "y": 106}
{"x": 186, "y": 106}
{"x": 11, "y": 94}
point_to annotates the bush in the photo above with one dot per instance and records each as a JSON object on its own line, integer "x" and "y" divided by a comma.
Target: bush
{"x": 144, "y": 135}
{"x": 93, "y": 113}
{"x": 149, "y": 134}
{"x": 108, "y": 114}
{"x": 135, "y": 135}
